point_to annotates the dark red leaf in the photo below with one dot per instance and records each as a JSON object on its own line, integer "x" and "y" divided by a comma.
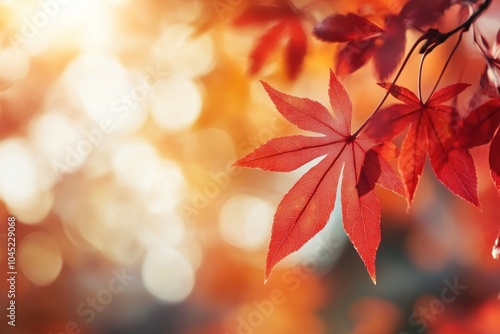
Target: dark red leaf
{"x": 354, "y": 55}
{"x": 391, "y": 49}
{"x": 364, "y": 40}
{"x": 288, "y": 28}
{"x": 296, "y": 49}
{"x": 266, "y": 44}
{"x": 479, "y": 128}
{"x": 345, "y": 28}
{"x": 424, "y": 13}
{"x": 481, "y": 124}
{"x": 432, "y": 131}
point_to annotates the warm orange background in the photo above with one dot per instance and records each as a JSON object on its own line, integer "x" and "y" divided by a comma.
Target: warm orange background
{"x": 154, "y": 195}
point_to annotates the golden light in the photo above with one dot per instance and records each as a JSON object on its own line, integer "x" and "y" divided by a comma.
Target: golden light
{"x": 138, "y": 166}
{"x": 110, "y": 227}
{"x": 161, "y": 229}
{"x": 245, "y": 221}
{"x": 100, "y": 85}
{"x": 52, "y": 134}
{"x": 187, "y": 10}
{"x": 33, "y": 210}
{"x": 237, "y": 44}
{"x": 40, "y": 258}
{"x": 98, "y": 163}
{"x": 167, "y": 275}
{"x": 176, "y": 104}
{"x": 18, "y": 171}
{"x": 14, "y": 65}
{"x": 178, "y": 48}
{"x": 211, "y": 148}
{"x": 192, "y": 250}
{"x": 70, "y": 25}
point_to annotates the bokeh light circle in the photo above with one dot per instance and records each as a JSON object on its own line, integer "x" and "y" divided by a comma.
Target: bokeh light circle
{"x": 176, "y": 104}
{"x": 167, "y": 274}
{"x": 40, "y": 258}
{"x": 245, "y": 221}
{"x": 18, "y": 171}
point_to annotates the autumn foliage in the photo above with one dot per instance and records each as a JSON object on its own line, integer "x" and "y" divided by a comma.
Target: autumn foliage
{"x": 286, "y": 24}
{"x": 358, "y": 159}
{"x": 304, "y": 211}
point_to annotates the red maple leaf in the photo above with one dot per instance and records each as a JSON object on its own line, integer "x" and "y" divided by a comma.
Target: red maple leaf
{"x": 479, "y": 128}
{"x": 306, "y": 208}
{"x": 432, "y": 131}
{"x": 365, "y": 40}
{"x": 287, "y": 25}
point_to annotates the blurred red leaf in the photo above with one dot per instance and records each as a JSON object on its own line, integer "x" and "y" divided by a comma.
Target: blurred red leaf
{"x": 374, "y": 316}
{"x": 345, "y": 28}
{"x": 479, "y": 128}
{"x": 432, "y": 131}
{"x": 354, "y": 55}
{"x": 304, "y": 211}
{"x": 364, "y": 41}
{"x": 391, "y": 48}
{"x": 287, "y": 26}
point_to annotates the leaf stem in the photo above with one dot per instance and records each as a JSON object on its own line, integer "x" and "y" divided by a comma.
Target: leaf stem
{"x": 446, "y": 64}
{"x": 398, "y": 74}
{"x": 420, "y": 69}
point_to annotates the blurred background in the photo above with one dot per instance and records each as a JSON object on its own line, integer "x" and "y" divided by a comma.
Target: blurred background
{"x": 119, "y": 121}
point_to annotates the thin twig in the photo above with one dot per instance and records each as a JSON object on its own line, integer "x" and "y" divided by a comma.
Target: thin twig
{"x": 420, "y": 69}
{"x": 446, "y": 64}
{"x": 398, "y": 74}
